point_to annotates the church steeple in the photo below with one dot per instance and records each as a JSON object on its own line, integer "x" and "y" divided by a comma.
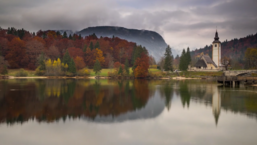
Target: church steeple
{"x": 216, "y": 38}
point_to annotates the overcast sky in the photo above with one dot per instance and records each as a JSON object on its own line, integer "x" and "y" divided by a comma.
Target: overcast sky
{"x": 182, "y": 23}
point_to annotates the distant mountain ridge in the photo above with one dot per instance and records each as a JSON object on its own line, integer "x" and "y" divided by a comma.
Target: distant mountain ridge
{"x": 153, "y": 41}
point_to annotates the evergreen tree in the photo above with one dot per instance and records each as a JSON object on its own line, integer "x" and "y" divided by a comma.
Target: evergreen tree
{"x": 188, "y": 57}
{"x": 66, "y": 58}
{"x": 183, "y": 61}
{"x": 97, "y": 45}
{"x": 138, "y": 50}
{"x": 74, "y": 37}
{"x": 80, "y": 36}
{"x": 70, "y": 37}
{"x": 72, "y": 66}
{"x": 91, "y": 46}
{"x": 127, "y": 66}
{"x": 58, "y": 33}
{"x": 85, "y": 48}
{"x": 168, "y": 59}
{"x": 44, "y": 35}
{"x": 120, "y": 72}
{"x": 64, "y": 35}
{"x": 41, "y": 62}
{"x": 97, "y": 67}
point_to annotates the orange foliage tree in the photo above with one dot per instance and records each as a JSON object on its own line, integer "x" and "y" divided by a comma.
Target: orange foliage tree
{"x": 79, "y": 63}
{"x": 142, "y": 64}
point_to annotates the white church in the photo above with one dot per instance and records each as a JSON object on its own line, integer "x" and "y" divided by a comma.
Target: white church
{"x": 205, "y": 63}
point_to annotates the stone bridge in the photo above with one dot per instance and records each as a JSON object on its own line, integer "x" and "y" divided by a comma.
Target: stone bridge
{"x": 238, "y": 72}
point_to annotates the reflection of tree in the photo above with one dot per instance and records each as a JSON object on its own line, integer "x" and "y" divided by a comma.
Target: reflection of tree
{"x": 166, "y": 90}
{"x": 184, "y": 94}
{"x": 50, "y": 100}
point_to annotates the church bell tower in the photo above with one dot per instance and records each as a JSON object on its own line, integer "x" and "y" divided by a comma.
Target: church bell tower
{"x": 216, "y": 50}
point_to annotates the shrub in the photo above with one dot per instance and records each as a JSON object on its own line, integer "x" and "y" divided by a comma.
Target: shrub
{"x": 40, "y": 72}
{"x": 21, "y": 73}
{"x": 84, "y": 72}
{"x": 69, "y": 74}
{"x": 111, "y": 74}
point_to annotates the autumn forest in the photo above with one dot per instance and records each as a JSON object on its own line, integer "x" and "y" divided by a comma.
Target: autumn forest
{"x": 50, "y": 51}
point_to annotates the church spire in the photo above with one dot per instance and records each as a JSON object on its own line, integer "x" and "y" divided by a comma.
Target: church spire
{"x": 216, "y": 36}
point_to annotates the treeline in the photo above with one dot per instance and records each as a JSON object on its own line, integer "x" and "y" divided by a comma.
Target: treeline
{"x": 235, "y": 49}
{"x": 169, "y": 63}
{"x": 22, "y": 49}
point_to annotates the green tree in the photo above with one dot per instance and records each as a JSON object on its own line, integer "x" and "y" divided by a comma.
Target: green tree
{"x": 70, "y": 37}
{"x": 72, "y": 67}
{"x": 41, "y": 61}
{"x": 58, "y": 33}
{"x": 85, "y": 48}
{"x": 188, "y": 56}
{"x": 168, "y": 60}
{"x": 183, "y": 61}
{"x": 64, "y": 35}
{"x": 97, "y": 45}
{"x": 66, "y": 58}
{"x": 97, "y": 67}
{"x": 138, "y": 50}
{"x": 120, "y": 72}
{"x": 127, "y": 66}
{"x": 91, "y": 46}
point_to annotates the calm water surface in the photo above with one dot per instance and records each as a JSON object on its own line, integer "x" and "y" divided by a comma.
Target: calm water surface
{"x": 65, "y": 112}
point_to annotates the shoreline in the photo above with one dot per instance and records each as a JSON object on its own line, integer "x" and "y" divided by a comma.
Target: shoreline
{"x": 90, "y": 77}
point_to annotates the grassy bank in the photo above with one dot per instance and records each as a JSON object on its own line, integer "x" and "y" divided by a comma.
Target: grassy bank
{"x": 13, "y": 72}
{"x": 104, "y": 72}
{"x": 200, "y": 74}
{"x": 152, "y": 71}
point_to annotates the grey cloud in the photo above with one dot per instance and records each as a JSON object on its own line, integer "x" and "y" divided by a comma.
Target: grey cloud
{"x": 173, "y": 19}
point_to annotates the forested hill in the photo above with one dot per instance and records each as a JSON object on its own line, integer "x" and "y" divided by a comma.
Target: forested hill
{"x": 153, "y": 41}
{"x": 21, "y": 49}
{"x": 234, "y": 49}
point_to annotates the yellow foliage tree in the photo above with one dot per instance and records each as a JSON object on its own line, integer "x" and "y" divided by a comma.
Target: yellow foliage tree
{"x": 53, "y": 67}
{"x": 99, "y": 56}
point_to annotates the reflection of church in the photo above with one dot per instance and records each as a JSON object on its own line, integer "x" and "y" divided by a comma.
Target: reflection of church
{"x": 205, "y": 63}
{"x": 216, "y": 104}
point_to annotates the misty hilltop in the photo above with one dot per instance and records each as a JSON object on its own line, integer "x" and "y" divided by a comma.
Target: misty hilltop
{"x": 153, "y": 41}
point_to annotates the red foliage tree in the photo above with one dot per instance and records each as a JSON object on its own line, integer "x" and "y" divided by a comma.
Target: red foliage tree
{"x": 74, "y": 52}
{"x": 16, "y": 53}
{"x": 142, "y": 64}
{"x": 33, "y": 49}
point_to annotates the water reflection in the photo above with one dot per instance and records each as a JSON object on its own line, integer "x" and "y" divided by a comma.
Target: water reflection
{"x": 114, "y": 101}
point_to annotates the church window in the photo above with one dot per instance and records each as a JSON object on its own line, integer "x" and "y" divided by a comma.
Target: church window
{"x": 215, "y": 45}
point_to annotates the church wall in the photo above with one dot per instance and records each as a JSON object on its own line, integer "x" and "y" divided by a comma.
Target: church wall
{"x": 216, "y": 53}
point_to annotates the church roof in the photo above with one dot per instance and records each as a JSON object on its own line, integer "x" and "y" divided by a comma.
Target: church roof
{"x": 208, "y": 60}
{"x": 200, "y": 63}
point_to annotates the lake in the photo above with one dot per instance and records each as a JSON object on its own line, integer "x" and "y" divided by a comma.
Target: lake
{"x": 140, "y": 112}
